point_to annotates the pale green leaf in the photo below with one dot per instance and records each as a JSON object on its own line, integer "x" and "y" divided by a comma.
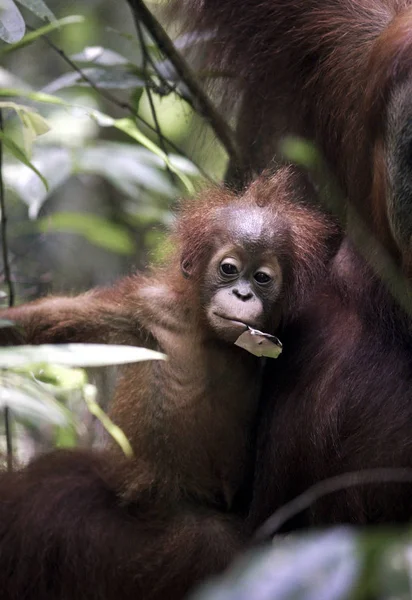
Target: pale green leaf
{"x": 28, "y": 400}
{"x": 36, "y": 122}
{"x": 75, "y": 355}
{"x": 129, "y": 127}
{"x": 33, "y": 123}
{"x": 299, "y": 150}
{"x": 6, "y": 323}
{"x": 100, "y": 56}
{"x": 127, "y": 166}
{"x": 33, "y": 126}
{"x": 39, "y": 8}
{"x": 312, "y": 566}
{"x": 58, "y": 376}
{"x": 184, "y": 165}
{"x": 34, "y": 35}
{"x": 29, "y": 407}
{"x": 56, "y": 166}
{"x": 35, "y": 96}
{"x": 12, "y": 26}
{"x": 95, "y": 229}
{"x": 117, "y": 78}
{"x": 20, "y": 155}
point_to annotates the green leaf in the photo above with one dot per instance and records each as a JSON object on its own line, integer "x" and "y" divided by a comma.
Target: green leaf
{"x": 35, "y": 96}
{"x": 66, "y": 437}
{"x": 95, "y": 229}
{"x": 33, "y": 126}
{"x": 300, "y": 151}
{"x": 127, "y": 166}
{"x": 6, "y": 323}
{"x": 37, "y": 124}
{"x": 28, "y": 400}
{"x": 26, "y": 406}
{"x": 19, "y": 154}
{"x": 184, "y": 165}
{"x": 100, "y": 56}
{"x": 34, "y": 35}
{"x": 56, "y": 166}
{"x": 33, "y": 123}
{"x": 61, "y": 377}
{"x": 129, "y": 127}
{"x": 75, "y": 355}
{"x": 176, "y": 164}
{"x": 12, "y": 26}
{"x": 136, "y": 97}
{"x": 107, "y": 78}
{"x": 39, "y": 8}
{"x": 325, "y": 565}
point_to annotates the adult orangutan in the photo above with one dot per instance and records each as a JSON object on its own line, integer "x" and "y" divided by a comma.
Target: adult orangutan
{"x": 337, "y": 72}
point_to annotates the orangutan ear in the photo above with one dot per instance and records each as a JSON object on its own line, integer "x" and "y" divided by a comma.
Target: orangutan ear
{"x": 186, "y": 266}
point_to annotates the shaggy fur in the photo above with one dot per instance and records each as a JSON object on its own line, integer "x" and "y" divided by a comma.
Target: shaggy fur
{"x": 98, "y": 526}
{"x": 335, "y": 72}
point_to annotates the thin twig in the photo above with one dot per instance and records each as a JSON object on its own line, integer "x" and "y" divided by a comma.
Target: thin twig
{"x": 163, "y": 81}
{"x": 145, "y": 55}
{"x": 9, "y": 438}
{"x": 326, "y": 487}
{"x": 119, "y": 103}
{"x": 202, "y": 102}
{"x": 10, "y": 287}
{"x": 4, "y": 245}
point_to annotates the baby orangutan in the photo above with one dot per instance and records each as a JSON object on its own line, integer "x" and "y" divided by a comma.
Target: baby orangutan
{"x": 90, "y": 525}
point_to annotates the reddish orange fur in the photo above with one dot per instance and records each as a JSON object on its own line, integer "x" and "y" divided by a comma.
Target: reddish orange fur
{"x": 337, "y": 72}
{"x": 95, "y": 525}
{"x": 325, "y": 70}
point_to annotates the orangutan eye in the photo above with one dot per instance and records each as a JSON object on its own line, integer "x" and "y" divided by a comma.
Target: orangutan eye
{"x": 262, "y": 277}
{"x": 228, "y": 268}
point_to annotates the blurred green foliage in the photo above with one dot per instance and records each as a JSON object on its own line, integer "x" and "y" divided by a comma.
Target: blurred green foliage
{"x": 338, "y": 564}
{"x": 72, "y": 148}
{"x": 97, "y": 145}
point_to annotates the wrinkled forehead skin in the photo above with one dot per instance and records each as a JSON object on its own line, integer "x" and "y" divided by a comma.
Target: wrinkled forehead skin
{"x": 251, "y": 227}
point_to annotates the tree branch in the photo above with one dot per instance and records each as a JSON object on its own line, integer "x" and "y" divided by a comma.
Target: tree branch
{"x": 332, "y": 485}
{"x": 4, "y": 245}
{"x": 203, "y": 105}
{"x": 146, "y": 59}
{"x": 9, "y": 283}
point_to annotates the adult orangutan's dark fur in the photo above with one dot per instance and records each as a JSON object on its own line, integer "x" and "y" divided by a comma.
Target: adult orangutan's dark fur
{"x": 338, "y": 400}
{"x": 338, "y": 72}
{"x": 97, "y": 525}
